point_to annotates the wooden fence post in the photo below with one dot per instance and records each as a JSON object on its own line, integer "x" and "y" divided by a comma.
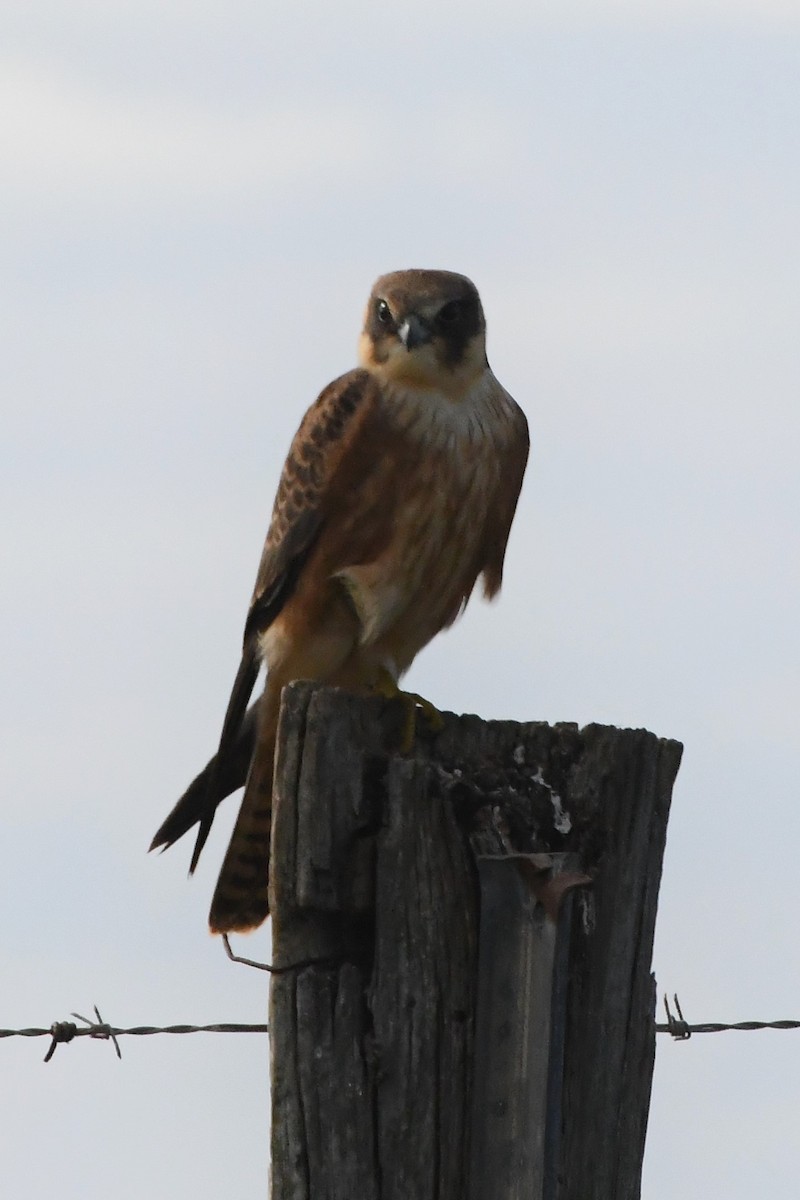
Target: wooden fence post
{"x": 389, "y": 1080}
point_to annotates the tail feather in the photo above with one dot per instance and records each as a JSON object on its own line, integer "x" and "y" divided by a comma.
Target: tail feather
{"x": 240, "y": 900}
{"x": 225, "y": 777}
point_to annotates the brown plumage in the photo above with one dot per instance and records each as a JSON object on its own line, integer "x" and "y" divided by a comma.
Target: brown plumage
{"x": 398, "y": 492}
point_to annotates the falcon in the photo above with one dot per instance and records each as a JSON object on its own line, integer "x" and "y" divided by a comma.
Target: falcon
{"x": 398, "y": 493}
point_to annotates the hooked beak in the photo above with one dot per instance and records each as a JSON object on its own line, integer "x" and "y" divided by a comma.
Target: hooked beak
{"x": 414, "y": 332}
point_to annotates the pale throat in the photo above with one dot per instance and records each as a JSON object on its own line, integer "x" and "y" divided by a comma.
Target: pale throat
{"x": 422, "y": 370}
{"x": 479, "y": 417}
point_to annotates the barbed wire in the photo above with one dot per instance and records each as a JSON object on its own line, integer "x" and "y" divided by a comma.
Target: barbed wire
{"x": 62, "y": 1032}
{"x": 678, "y": 1028}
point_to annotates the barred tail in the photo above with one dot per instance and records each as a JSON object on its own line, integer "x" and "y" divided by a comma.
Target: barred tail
{"x": 240, "y": 898}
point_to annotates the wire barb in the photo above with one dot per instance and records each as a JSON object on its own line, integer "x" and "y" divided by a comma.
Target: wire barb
{"x": 100, "y": 1030}
{"x": 676, "y": 1026}
{"x": 61, "y": 1032}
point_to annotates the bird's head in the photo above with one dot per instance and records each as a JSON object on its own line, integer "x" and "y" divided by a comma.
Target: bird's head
{"x": 425, "y": 329}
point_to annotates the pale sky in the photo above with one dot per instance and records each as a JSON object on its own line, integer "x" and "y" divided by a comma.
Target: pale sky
{"x": 196, "y": 199}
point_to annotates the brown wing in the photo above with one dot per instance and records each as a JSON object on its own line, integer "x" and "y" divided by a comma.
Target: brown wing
{"x": 500, "y": 513}
{"x": 319, "y": 445}
{"x": 298, "y": 517}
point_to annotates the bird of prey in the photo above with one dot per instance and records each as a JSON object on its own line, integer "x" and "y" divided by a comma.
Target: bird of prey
{"x": 398, "y": 493}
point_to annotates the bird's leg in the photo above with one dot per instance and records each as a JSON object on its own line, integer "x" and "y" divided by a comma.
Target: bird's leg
{"x": 386, "y": 686}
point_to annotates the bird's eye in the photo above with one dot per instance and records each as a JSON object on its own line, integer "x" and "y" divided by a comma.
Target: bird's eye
{"x": 384, "y": 313}
{"x": 450, "y": 313}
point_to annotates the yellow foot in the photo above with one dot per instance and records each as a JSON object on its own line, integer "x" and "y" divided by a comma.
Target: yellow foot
{"x": 386, "y": 685}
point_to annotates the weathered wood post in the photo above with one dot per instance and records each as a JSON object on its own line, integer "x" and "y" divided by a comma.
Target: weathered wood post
{"x": 452, "y": 1041}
